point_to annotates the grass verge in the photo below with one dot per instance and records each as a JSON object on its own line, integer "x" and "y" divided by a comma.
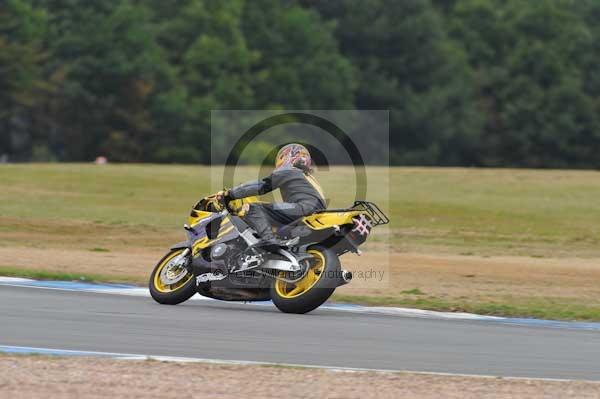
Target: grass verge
{"x": 37, "y": 274}
{"x": 539, "y": 308}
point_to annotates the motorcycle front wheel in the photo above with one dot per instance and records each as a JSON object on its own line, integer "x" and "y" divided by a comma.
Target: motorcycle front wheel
{"x": 170, "y": 282}
{"x": 313, "y": 289}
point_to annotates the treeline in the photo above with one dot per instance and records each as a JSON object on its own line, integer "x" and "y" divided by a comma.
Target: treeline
{"x": 468, "y": 82}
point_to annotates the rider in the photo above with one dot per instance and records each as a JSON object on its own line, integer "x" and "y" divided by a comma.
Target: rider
{"x": 301, "y": 193}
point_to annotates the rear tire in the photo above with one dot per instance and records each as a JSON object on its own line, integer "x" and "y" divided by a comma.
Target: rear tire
{"x": 170, "y": 295}
{"x": 316, "y": 294}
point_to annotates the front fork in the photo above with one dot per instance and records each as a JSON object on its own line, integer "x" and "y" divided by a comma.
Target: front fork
{"x": 182, "y": 256}
{"x": 185, "y": 253}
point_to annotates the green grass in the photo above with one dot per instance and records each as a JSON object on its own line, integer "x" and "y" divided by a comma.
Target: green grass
{"x": 501, "y": 211}
{"x": 541, "y": 308}
{"x": 475, "y": 211}
{"x": 39, "y": 274}
{"x": 112, "y": 194}
{"x": 99, "y": 250}
{"x": 414, "y": 291}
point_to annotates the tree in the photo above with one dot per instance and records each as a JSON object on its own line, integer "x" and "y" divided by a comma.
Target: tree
{"x": 109, "y": 71}
{"x": 530, "y": 60}
{"x": 204, "y": 42}
{"x": 21, "y": 58}
{"x": 299, "y": 64}
{"x": 407, "y": 64}
{"x": 468, "y": 82}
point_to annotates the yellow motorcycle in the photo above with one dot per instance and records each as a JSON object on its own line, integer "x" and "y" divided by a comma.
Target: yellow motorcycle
{"x": 221, "y": 258}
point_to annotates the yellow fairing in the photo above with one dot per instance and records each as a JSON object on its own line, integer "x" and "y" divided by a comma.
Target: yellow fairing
{"x": 196, "y": 216}
{"x": 326, "y": 220}
{"x": 204, "y": 242}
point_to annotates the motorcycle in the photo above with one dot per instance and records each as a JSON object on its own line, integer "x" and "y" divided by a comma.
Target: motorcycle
{"x": 222, "y": 257}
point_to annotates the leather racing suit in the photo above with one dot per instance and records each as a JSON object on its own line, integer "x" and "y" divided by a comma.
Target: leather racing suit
{"x": 301, "y": 194}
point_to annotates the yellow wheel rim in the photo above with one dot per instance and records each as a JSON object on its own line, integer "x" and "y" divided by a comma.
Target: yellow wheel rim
{"x": 169, "y": 288}
{"x": 313, "y": 274}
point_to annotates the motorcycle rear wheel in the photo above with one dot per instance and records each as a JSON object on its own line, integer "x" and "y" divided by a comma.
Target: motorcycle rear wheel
{"x": 171, "y": 294}
{"x": 314, "y": 289}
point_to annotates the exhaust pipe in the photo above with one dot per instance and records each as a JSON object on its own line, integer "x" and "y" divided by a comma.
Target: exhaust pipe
{"x": 346, "y": 277}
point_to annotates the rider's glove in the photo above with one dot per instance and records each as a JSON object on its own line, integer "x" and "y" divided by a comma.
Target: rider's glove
{"x": 224, "y": 195}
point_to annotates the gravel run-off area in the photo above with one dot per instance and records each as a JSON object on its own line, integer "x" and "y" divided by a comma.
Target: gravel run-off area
{"x": 60, "y": 377}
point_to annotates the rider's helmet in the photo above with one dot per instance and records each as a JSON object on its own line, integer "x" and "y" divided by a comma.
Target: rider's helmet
{"x": 295, "y": 155}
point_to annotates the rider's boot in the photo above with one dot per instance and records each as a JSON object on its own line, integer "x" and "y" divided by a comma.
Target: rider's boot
{"x": 261, "y": 225}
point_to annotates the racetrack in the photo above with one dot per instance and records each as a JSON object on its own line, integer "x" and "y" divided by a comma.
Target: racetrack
{"x": 210, "y": 329}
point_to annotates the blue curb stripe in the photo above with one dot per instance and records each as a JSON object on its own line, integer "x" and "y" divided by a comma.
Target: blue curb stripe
{"x": 26, "y": 350}
{"x": 75, "y": 285}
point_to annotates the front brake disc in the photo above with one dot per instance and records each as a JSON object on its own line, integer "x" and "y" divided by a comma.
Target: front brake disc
{"x": 173, "y": 272}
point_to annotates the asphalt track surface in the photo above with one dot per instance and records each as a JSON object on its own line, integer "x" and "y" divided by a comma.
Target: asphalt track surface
{"x": 218, "y": 330}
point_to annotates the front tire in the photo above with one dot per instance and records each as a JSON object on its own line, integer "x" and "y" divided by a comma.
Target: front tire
{"x": 314, "y": 289}
{"x": 170, "y": 283}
